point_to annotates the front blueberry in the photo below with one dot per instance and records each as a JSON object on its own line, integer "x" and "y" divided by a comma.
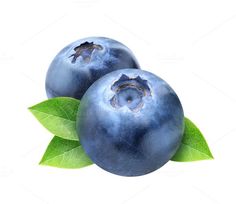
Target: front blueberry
{"x": 130, "y": 122}
{"x": 82, "y": 62}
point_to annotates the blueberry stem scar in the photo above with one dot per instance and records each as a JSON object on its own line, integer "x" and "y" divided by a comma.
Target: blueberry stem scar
{"x": 85, "y": 50}
{"x": 129, "y": 92}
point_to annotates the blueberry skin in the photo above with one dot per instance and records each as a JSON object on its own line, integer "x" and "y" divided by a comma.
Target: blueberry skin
{"x": 82, "y": 62}
{"x": 130, "y": 122}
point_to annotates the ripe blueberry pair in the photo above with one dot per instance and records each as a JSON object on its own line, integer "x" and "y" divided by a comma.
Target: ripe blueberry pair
{"x": 130, "y": 122}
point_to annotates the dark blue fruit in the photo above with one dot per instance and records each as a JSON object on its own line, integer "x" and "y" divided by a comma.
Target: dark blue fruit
{"x": 130, "y": 122}
{"x": 82, "y": 62}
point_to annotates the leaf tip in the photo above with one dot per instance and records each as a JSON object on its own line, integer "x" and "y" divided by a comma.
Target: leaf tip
{"x": 30, "y": 108}
{"x": 41, "y": 162}
{"x": 210, "y": 155}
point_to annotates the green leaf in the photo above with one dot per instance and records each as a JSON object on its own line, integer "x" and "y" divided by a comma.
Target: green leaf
{"x": 58, "y": 115}
{"x": 193, "y": 147}
{"x": 64, "y": 153}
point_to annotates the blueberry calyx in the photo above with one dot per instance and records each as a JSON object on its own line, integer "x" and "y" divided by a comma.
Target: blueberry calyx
{"x": 85, "y": 50}
{"x": 129, "y": 92}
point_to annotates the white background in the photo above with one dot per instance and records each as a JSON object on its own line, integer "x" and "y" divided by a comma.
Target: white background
{"x": 190, "y": 44}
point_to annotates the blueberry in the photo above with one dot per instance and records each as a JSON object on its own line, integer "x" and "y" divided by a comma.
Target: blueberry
{"x": 81, "y": 63}
{"x": 130, "y": 122}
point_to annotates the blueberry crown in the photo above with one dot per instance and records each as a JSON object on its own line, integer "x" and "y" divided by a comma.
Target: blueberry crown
{"x": 129, "y": 92}
{"x": 85, "y": 50}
